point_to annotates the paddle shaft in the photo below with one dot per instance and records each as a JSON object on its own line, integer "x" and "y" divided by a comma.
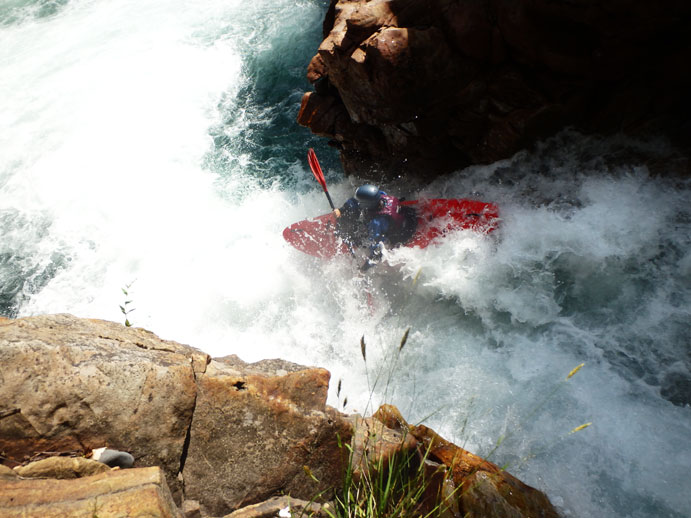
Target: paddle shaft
{"x": 328, "y": 197}
{"x": 317, "y": 172}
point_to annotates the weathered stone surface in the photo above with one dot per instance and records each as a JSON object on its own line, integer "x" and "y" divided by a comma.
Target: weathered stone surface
{"x": 191, "y": 509}
{"x": 7, "y": 472}
{"x": 374, "y": 443}
{"x": 61, "y": 468}
{"x": 139, "y": 492}
{"x": 259, "y": 430}
{"x": 425, "y": 87}
{"x": 70, "y": 384}
{"x": 279, "y": 506}
{"x": 484, "y": 489}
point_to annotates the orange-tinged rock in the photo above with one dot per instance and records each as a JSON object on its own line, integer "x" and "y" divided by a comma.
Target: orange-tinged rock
{"x": 374, "y": 443}
{"x": 133, "y": 493}
{"x": 259, "y": 430}
{"x": 73, "y": 385}
{"x": 484, "y": 489}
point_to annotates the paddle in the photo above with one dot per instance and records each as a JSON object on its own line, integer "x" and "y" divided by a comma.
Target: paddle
{"x": 317, "y": 172}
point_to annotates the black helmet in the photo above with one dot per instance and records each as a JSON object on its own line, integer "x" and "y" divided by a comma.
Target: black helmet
{"x": 367, "y": 195}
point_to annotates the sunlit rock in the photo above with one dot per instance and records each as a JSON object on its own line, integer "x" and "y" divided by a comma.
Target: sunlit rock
{"x": 262, "y": 429}
{"x": 116, "y": 493}
{"x": 74, "y": 385}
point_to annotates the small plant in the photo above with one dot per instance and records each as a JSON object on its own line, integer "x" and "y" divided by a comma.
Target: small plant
{"x": 124, "y": 308}
{"x": 402, "y": 485}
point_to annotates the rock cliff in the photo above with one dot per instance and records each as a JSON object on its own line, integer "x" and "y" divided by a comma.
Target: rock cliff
{"x": 208, "y": 436}
{"x": 422, "y": 88}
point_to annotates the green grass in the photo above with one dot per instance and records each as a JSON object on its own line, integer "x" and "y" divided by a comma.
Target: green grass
{"x": 402, "y": 485}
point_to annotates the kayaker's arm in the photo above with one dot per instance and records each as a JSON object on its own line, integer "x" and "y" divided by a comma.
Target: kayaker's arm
{"x": 350, "y": 208}
{"x": 377, "y": 229}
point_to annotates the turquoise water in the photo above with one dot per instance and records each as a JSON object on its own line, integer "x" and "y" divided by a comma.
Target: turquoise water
{"x": 153, "y": 144}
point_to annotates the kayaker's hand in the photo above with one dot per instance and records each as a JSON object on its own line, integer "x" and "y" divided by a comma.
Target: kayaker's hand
{"x": 337, "y": 213}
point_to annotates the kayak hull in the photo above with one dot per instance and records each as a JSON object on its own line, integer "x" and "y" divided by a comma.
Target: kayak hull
{"x": 435, "y": 218}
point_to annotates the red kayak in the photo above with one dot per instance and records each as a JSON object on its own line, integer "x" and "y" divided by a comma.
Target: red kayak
{"x": 435, "y": 218}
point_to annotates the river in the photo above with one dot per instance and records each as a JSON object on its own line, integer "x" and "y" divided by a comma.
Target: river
{"x": 151, "y": 146}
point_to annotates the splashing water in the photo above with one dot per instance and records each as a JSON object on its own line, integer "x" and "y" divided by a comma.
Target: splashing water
{"x": 153, "y": 144}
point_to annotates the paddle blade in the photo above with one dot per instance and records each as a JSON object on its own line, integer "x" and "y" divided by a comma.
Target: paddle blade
{"x": 317, "y": 172}
{"x": 315, "y": 167}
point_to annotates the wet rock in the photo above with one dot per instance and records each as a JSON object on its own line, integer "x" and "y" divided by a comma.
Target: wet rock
{"x": 134, "y": 492}
{"x": 422, "y": 88}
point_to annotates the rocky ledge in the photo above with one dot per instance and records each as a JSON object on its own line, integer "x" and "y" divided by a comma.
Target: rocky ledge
{"x": 422, "y": 88}
{"x": 208, "y": 436}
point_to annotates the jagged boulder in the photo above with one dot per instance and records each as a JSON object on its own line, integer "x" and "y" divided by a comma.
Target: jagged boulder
{"x": 116, "y": 493}
{"x": 260, "y": 430}
{"x": 404, "y": 86}
{"x": 73, "y": 385}
{"x": 375, "y": 443}
{"x": 484, "y": 489}
{"x": 480, "y": 488}
{"x": 226, "y": 434}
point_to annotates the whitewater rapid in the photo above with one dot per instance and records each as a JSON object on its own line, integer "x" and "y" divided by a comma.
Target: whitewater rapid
{"x": 152, "y": 146}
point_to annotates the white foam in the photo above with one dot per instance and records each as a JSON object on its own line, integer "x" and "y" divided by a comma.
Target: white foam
{"x": 106, "y": 114}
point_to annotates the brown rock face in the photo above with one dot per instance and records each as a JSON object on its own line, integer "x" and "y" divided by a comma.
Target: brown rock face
{"x": 70, "y": 384}
{"x": 478, "y": 488}
{"x": 225, "y": 434}
{"x": 133, "y": 492}
{"x": 259, "y": 430}
{"x": 484, "y": 489}
{"x": 403, "y": 86}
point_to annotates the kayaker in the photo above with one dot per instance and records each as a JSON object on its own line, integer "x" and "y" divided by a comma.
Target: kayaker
{"x": 373, "y": 218}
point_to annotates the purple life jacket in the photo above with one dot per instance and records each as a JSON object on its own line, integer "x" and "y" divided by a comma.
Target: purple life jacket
{"x": 390, "y": 208}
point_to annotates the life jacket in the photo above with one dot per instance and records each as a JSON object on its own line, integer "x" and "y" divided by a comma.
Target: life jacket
{"x": 390, "y": 208}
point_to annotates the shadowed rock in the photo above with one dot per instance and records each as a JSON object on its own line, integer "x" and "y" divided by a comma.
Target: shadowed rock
{"x": 422, "y": 88}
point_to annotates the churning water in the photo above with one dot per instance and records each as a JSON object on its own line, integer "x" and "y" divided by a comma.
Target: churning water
{"x": 152, "y": 144}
